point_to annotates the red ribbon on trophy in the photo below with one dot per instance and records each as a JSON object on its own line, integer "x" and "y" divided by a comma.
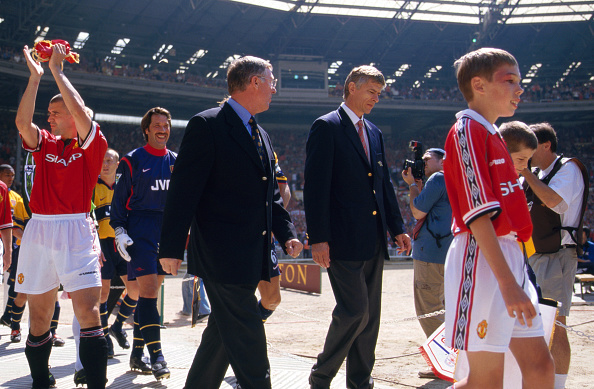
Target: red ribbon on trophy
{"x": 42, "y": 51}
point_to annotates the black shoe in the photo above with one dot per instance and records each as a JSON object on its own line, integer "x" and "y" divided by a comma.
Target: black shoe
{"x": 313, "y": 385}
{"x": 140, "y": 364}
{"x": 57, "y": 341}
{"x": 52, "y": 383}
{"x": 110, "y": 352}
{"x": 160, "y": 370}
{"x": 80, "y": 377}
{"x": 5, "y": 321}
{"x": 202, "y": 318}
{"x": 120, "y": 336}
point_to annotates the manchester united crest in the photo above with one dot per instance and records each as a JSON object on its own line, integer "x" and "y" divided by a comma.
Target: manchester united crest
{"x": 481, "y": 329}
{"x": 21, "y": 278}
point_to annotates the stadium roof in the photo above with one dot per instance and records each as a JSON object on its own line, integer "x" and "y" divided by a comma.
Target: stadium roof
{"x": 450, "y": 11}
{"x": 417, "y": 44}
{"x": 202, "y": 36}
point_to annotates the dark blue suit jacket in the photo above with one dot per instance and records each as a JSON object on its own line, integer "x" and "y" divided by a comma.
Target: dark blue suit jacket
{"x": 345, "y": 194}
{"x": 232, "y": 202}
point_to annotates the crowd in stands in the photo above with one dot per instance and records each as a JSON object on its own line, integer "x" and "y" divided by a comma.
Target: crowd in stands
{"x": 394, "y": 92}
{"x": 8, "y": 139}
{"x": 109, "y": 67}
{"x": 290, "y": 146}
{"x": 566, "y": 91}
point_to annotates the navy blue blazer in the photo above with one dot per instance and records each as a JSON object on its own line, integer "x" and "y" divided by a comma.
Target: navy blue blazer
{"x": 220, "y": 187}
{"x": 344, "y": 193}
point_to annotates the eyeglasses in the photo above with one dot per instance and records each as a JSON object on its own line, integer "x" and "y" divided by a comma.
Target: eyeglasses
{"x": 272, "y": 81}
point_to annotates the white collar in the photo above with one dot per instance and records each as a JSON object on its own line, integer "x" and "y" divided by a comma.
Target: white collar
{"x": 353, "y": 116}
{"x": 492, "y": 128}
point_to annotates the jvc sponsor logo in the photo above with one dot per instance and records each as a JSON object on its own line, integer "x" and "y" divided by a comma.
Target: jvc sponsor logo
{"x": 56, "y": 159}
{"x": 508, "y": 187}
{"x": 160, "y": 185}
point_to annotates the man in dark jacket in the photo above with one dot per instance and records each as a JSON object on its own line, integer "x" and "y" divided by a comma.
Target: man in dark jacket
{"x": 230, "y": 239}
{"x": 350, "y": 204}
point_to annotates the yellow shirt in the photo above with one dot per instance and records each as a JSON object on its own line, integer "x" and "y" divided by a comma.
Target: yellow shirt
{"x": 102, "y": 196}
{"x": 20, "y": 217}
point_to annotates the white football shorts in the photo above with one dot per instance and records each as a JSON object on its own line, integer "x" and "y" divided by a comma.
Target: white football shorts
{"x": 476, "y": 316}
{"x": 58, "y": 249}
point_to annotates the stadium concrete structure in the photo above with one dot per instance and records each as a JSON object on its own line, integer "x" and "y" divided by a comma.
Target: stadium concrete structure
{"x": 313, "y": 45}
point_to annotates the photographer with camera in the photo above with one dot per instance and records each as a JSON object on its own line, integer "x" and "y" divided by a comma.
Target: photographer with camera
{"x": 431, "y": 236}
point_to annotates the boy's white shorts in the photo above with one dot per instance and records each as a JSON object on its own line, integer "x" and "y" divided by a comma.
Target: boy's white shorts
{"x": 58, "y": 249}
{"x": 476, "y": 316}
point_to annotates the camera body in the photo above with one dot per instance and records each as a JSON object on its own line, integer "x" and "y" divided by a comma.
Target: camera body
{"x": 417, "y": 165}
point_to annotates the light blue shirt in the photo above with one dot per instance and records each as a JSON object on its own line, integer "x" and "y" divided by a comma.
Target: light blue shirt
{"x": 243, "y": 114}
{"x": 433, "y": 200}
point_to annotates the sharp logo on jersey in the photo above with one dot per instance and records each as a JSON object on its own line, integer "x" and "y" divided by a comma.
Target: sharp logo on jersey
{"x": 56, "y": 159}
{"x": 160, "y": 185}
{"x": 497, "y": 162}
{"x": 508, "y": 187}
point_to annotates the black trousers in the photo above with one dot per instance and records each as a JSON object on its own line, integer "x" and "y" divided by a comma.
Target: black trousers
{"x": 234, "y": 335}
{"x": 357, "y": 287}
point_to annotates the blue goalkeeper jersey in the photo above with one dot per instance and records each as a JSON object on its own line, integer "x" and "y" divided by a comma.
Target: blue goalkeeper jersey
{"x": 143, "y": 184}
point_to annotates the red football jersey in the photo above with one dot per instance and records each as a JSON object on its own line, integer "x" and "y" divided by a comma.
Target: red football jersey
{"x": 66, "y": 172}
{"x": 5, "y": 213}
{"x": 481, "y": 179}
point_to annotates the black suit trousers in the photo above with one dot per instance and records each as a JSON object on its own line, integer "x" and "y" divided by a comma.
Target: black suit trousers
{"x": 234, "y": 335}
{"x": 357, "y": 287}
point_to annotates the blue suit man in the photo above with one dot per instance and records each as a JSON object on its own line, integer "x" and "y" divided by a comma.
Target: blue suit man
{"x": 350, "y": 204}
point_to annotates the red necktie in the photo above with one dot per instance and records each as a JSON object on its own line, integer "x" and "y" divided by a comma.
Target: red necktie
{"x": 362, "y": 137}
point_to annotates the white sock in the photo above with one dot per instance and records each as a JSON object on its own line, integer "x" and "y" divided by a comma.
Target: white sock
{"x": 560, "y": 381}
{"x": 76, "y": 332}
